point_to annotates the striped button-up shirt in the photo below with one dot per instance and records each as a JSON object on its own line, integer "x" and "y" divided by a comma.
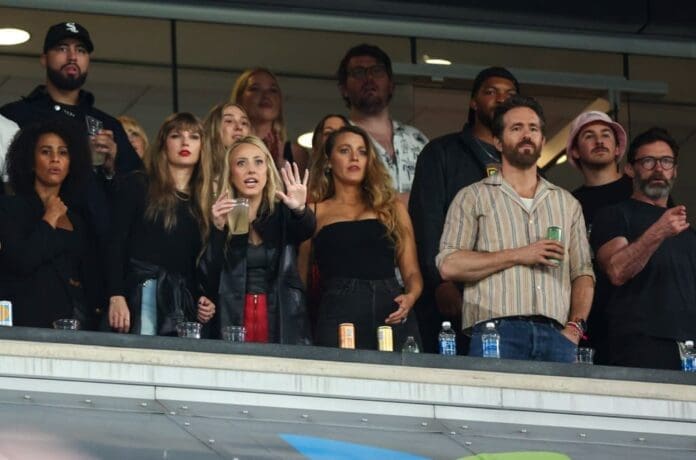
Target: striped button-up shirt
{"x": 490, "y": 216}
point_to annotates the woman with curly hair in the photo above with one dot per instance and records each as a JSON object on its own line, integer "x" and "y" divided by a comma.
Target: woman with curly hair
{"x": 250, "y": 270}
{"x": 44, "y": 260}
{"x": 258, "y": 91}
{"x": 363, "y": 232}
{"x": 160, "y": 222}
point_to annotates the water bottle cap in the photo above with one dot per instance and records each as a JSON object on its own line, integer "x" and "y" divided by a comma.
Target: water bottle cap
{"x": 490, "y": 325}
{"x": 446, "y": 324}
{"x": 689, "y": 343}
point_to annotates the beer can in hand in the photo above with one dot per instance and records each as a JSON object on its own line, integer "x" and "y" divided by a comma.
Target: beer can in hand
{"x": 556, "y": 234}
{"x": 385, "y": 338}
{"x": 346, "y": 335}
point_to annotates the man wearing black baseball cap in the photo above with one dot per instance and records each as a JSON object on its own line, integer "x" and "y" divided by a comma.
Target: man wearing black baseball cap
{"x": 66, "y": 58}
{"x": 446, "y": 165}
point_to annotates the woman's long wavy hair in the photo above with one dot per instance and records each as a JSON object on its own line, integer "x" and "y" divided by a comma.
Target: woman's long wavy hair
{"x": 240, "y": 86}
{"x": 273, "y": 180}
{"x": 377, "y": 188}
{"x": 213, "y": 136}
{"x": 162, "y": 196}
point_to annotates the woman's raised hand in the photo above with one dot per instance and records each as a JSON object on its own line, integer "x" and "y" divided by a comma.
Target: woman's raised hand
{"x": 295, "y": 195}
{"x": 222, "y": 206}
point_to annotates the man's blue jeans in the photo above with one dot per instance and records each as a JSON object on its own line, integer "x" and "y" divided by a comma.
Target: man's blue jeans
{"x": 527, "y": 340}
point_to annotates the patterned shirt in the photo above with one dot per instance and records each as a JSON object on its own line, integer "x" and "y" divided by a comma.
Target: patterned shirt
{"x": 408, "y": 143}
{"x": 490, "y": 216}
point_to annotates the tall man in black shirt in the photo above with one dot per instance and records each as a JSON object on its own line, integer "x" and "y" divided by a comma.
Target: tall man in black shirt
{"x": 446, "y": 165}
{"x": 595, "y": 146}
{"x": 648, "y": 252}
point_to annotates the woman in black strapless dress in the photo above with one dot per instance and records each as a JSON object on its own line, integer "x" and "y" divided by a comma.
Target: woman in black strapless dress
{"x": 363, "y": 233}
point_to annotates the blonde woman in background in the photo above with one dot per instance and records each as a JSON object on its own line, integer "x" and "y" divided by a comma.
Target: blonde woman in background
{"x": 258, "y": 91}
{"x": 136, "y": 135}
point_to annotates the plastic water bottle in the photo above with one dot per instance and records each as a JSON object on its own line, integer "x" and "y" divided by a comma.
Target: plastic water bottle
{"x": 410, "y": 346}
{"x": 688, "y": 356}
{"x": 447, "y": 340}
{"x": 490, "y": 340}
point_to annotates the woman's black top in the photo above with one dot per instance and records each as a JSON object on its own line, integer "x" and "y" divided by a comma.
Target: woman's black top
{"x": 358, "y": 249}
{"x": 136, "y": 237}
{"x": 258, "y": 263}
{"x": 141, "y": 249}
{"x": 41, "y": 268}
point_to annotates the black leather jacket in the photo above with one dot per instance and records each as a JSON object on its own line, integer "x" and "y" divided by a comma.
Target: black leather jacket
{"x": 223, "y": 275}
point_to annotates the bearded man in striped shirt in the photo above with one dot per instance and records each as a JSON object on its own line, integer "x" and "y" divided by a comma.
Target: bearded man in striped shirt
{"x": 538, "y": 291}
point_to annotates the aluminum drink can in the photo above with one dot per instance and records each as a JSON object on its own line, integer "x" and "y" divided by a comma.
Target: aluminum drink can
{"x": 346, "y": 335}
{"x": 385, "y": 338}
{"x": 556, "y": 234}
{"x": 5, "y": 313}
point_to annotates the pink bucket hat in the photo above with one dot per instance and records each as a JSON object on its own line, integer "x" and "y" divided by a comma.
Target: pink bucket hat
{"x": 585, "y": 119}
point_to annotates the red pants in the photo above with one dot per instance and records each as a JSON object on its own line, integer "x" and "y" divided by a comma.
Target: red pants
{"x": 256, "y": 318}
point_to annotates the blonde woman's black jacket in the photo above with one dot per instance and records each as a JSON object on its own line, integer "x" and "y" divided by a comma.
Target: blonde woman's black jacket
{"x": 223, "y": 275}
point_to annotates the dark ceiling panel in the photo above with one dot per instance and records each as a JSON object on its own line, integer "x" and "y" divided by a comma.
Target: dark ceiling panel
{"x": 623, "y": 16}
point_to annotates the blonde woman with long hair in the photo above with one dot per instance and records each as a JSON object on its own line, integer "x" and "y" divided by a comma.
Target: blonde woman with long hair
{"x": 249, "y": 267}
{"x": 258, "y": 91}
{"x": 225, "y": 124}
{"x": 160, "y": 221}
{"x": 363, "y": 232}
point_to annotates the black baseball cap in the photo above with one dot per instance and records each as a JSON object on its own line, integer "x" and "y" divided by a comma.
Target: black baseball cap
{"x": 64, "y": 30}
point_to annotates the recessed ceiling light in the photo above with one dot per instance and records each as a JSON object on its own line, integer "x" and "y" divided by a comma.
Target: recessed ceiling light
{"x": 11, "y": 36}
{"x": 562, "y": 159}
{"x": 305, "y": 140}
{"x": 436, "y": 61}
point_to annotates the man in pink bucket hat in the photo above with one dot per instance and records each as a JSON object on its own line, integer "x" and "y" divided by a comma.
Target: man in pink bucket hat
{"x": 595, "y": 146}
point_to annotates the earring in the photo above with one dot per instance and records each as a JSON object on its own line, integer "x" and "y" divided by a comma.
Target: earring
{"x": 327, "y": 170}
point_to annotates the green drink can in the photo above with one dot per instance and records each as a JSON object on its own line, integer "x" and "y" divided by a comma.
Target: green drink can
{"x": 556, "y": 234}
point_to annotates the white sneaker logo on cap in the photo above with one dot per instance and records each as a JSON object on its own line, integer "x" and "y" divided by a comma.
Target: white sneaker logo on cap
{"x": 70, "y": 26}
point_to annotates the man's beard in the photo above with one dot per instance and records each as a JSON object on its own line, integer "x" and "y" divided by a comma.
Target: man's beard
{"x": 522, "y": 160}
{"x": 60, "y": 81}
{"x": 654, "y": 191}
{"x": 371, "y": 103}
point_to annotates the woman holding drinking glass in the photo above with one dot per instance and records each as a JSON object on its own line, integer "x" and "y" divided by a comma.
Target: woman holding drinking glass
{"x": 159, "y": 225}
{"x": 249, "y": 266}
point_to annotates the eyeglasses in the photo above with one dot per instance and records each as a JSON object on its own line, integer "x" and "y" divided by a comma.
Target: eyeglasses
{"x": 361, "y": 73}
{"x": 649, "y": 163}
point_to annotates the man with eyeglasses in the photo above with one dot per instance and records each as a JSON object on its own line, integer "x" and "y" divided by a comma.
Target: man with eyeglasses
{"x": 648, "y": 252}
{"x": 365, "y": 81}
